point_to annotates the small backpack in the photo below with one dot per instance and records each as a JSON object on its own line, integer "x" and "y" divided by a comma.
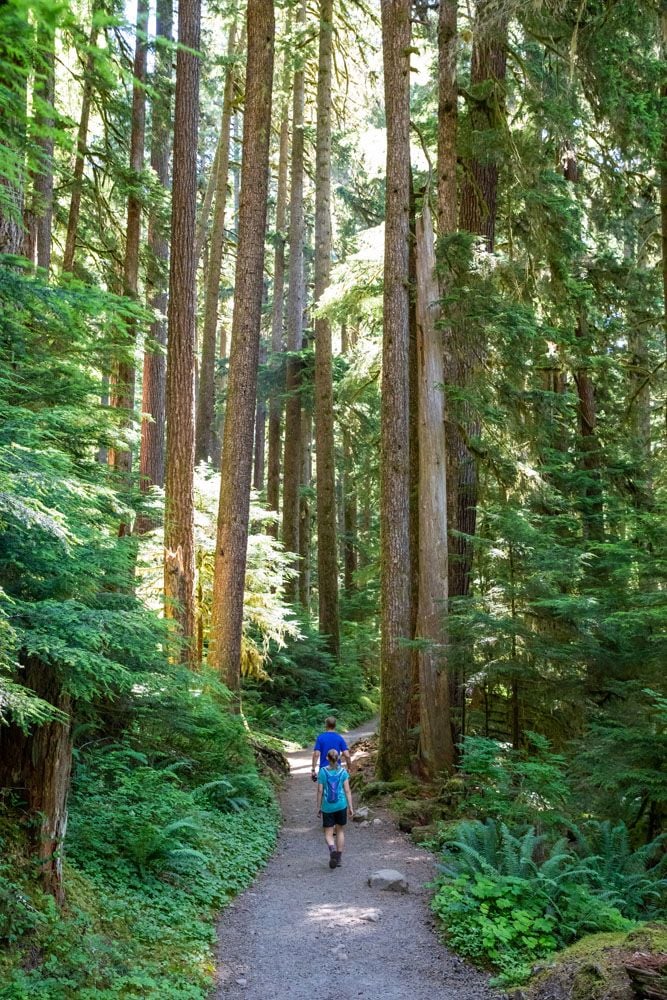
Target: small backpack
{"x": 333, "y": 784}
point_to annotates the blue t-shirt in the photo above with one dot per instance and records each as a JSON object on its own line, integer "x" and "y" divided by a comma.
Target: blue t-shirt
{"x": 341, "y": 802}
{"x": 331, "y": 740}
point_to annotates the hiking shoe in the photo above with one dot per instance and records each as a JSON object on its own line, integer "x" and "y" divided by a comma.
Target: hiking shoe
{"x": 333, "y": 863}
{"x": 339, "y": 858}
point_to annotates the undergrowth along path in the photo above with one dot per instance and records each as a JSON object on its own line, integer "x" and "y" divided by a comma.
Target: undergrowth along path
{"x": 304, "y": 932}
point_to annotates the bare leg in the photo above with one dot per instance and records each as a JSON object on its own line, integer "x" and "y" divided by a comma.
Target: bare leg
{"x": 340, "y": 838}
{"x": 329, "y": 837}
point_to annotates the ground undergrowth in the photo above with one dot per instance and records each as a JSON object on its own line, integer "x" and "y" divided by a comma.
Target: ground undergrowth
{"x": 159, "y": 840}
{"x": 524, "y": 872}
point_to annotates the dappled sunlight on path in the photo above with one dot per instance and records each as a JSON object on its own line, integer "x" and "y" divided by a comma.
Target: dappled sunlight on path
{"x": 304, "y": 932}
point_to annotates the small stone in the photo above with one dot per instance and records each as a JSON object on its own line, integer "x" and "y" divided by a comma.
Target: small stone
{"x": 241, "y": 982}
{"x": 365, "y": 823}
{"x": 371, "y": 917}
{"x": 377, "y": 822}
{"x": 361, "y": 814}
{"x": 388, "y": 879}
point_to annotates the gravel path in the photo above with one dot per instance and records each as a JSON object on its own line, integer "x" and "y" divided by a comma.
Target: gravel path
{"x": 304, "y": 932}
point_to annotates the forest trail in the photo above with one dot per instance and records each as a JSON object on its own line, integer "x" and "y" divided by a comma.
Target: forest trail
{"x": 304, "y": 932}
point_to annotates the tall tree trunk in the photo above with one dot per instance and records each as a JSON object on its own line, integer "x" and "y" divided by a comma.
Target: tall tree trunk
{"x": 202, "y": 223}
{"x": 260, "y": 433}
{"x": 394, "y": 445}
{"x": 436, "y": 746}
{"x": 413, "y": 424}
{"x": 350, "y": 544}
{"x": 206, "y": 445}
{"x": 446, "y": 225}
{"x": 123, "y": 397}
{"x": 292, "y": 455}
{"x": 305, "y": 513}
{"x": 179, "y": 499}
{"x": 37, "y": 765}
{"x": 235, "y": 479}
{"x": 151, "y": 459}
{"x": 327, "y": 550}
{"x": 40, "y": 214}
{"x": 477, "y": 215}
{"x": 275, "y": 400}
{"x": 81, "y": 142}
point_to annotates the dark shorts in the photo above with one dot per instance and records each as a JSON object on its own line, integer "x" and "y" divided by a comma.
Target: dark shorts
{"x": 338, "y": 818}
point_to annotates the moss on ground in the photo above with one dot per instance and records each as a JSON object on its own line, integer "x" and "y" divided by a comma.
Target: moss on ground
{"x": 593, "y": 968}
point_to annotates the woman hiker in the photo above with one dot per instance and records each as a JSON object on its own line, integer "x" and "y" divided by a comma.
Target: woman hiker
{"x": 334, "y": 801}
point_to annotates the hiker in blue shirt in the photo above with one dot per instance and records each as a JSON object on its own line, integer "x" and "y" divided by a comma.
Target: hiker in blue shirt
{"x": 329, "y": 740}
{"x": 334, "y": 801}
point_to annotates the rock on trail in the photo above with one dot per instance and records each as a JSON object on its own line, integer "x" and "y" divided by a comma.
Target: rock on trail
{"x": 305, "y": 932}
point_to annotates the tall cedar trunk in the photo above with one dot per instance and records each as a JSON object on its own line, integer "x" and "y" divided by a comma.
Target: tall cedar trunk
{"x": 179, "y": 499}
{"x": 37, "y": 766}
{"x": 327, "y": 562}
{"x": 275, "y": 400}
{"x": 447, "y": 223}
{"x": 123, "y": 397}
{"x": 14, "y": 46}
{"x": 413, "y": 423}
{"x": 305, "y": 512}
{"x": 394, "y": 446}
{"x": 477, "y": 215}
{"x": 233, "y": 512}
{"x": 206, "y": 444}
{"x": 202, "y": 223}
{"x": 350, "y": 543}
{"x": 81, "y": 142}
{"x": 260, "y": 433}
{"x": 151, "y": 459}
{"x": 37, "y": 247}
{"x": 292, "y": 455}
{"x": 436, "y": 747}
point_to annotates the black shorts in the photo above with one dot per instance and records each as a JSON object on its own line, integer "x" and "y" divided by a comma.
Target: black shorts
{"x": 338, "y": 818}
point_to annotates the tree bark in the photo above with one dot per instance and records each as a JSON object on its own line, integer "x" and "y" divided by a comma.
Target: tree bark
{"x": 436, "y": 746}
{"x": 446, "y": 225}
{"x": 206, "y": 444}
{"x": 151, "y": 459}
{"x": 40, "y": 214}
{"x": 260, "y": 433}
{"x": 202, "y": 224}
{"x": 37, "y": 765}
{"x": 179, "y": 499}
{"x": 305, "y": 513}
{"x": 447, "y": 116}
{"x": 327, "y": 561}
{"x": 292, "y": 455}
{"x": 124, "y": 387}
{"x": 81, "y": 142}
{"x": 350, "y": 542}
{"x": 275, "y": 401}
{"x": 394, "y": 445}
{"x": 233, "y": 511}
{"x": 477, "y": 215}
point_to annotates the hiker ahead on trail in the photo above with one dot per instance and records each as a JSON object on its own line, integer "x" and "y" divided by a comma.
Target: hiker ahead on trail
{"x": 326, "y": 741}
{"x": 334, "y": 801}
